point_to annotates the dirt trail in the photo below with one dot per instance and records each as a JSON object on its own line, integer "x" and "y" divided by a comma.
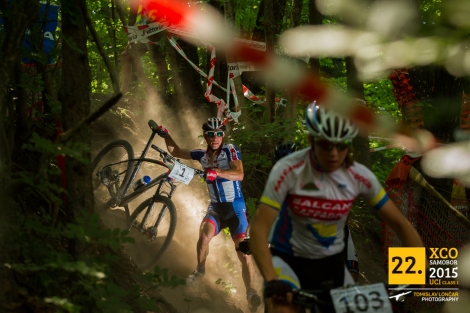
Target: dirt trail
{"x": 180, "y": 258}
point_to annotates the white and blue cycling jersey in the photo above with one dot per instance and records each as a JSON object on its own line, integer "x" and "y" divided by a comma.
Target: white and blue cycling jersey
{"x": 221, "y": 189}
{"x": 314, "y": 205}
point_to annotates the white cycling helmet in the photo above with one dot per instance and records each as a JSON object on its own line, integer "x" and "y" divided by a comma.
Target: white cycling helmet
{"x": 214, "y": 123}
{"x": 328, "y": 125}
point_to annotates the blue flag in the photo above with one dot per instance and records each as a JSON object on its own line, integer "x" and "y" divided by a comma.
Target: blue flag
{"x": 48, "y": 17}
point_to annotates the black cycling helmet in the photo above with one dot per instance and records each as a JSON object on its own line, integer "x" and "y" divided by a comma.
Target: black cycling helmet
{"x": 214, "y": 123}
{"x": 284, "y": 149}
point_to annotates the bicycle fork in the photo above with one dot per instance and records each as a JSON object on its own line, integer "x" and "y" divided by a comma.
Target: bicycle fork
{"x": 151, "y": 232}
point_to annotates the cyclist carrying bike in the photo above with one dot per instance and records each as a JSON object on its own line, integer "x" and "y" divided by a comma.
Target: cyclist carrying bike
{"x": 349, "y": 251}
{"x": 224, "y": 173}
{"x": 303, "y": 210}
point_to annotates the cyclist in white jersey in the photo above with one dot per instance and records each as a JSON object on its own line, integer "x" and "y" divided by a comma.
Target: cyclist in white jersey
{"x": 224, "y": 173}
{"x": 304, "y": 208}
{"x": 349, "y": 252}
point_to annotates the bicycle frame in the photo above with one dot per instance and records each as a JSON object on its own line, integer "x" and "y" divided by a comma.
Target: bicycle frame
{"x": 122, "y": 199}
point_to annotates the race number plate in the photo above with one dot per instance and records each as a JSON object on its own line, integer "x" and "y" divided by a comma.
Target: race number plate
{"x": 368, "y": 298}
{"x": 182, "y": 173}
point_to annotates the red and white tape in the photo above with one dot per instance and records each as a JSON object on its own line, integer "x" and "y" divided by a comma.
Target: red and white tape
{"x": 142, "y": 32}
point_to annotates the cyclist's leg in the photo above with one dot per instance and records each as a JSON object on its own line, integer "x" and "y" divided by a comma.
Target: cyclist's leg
{"x": 210, "y": 226}
{"x": 237, "y": 226}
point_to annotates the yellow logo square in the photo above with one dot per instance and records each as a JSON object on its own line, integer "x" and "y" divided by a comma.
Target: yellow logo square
{"x": 407, "y": 266}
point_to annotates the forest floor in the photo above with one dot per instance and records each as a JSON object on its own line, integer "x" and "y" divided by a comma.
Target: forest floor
{"x": 222, "y": 264}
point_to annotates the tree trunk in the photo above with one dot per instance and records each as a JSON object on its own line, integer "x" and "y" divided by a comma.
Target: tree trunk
{"x": 220, "y": 70}
{"x": 253, "y": 80}
{"x": 315, "y": 18}
{"x": 355, "y": 88}
{"x": 290, "y": 113}
{"x": 189, "y": 78}
{"x": 296, "y": 13}
{"x": 230, "y": 18}
{"x": 15, "y": 23}
{"x": 75, "y": 99}
{"x": 157, "y": 53}
{"x": 270, "y": 29}
{"x": 175, "y": 77}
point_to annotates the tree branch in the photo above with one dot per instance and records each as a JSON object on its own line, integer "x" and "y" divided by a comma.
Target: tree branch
{"x": 94, "y": 34}
{"x": 89, "y": 119}
{"x": 120, "y": 12}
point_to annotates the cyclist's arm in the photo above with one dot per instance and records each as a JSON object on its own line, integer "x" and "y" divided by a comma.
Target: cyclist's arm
{"x": 401, "y": 226}
{"x": 234, "y": 173}
{"x": 175, "y": 150}
{"x": 259, "y": 229}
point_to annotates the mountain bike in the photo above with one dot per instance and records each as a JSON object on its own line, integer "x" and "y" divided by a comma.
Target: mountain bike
{"x": 114, "y": 170}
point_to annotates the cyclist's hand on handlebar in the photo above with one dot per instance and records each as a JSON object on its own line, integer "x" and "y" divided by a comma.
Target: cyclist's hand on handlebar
{"x": 210, "y": 175}
{"x": 279, "y": 291}
{"x": 162, "y": 131}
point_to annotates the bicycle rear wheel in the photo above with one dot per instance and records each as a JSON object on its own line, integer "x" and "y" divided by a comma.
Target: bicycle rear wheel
{"x": 116, "y": 176}
{"x": 154, "y": 235}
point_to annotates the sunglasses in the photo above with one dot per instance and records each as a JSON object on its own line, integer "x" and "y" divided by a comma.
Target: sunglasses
{"x": 214, "y": 133}
{"x": 328, "y": 145}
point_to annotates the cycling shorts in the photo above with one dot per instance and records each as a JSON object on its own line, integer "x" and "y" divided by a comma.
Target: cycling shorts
{"x": 228, "y": 214}
{"x": 313, "y": 274}
{"x": 349, "y": 252}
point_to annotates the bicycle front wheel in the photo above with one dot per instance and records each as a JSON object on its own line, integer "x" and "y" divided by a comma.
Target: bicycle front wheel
{"x": 152, "y": 225}
{"x": 110, "y": 180}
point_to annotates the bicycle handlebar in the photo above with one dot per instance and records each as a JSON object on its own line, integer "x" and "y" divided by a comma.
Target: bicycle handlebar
{"x": 308, "y": 298}
{"x": 153, "y": 126}
{"x": 166, "y": 157}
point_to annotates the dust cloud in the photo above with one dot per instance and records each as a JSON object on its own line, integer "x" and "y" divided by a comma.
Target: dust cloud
{"x": 191, "y": 203}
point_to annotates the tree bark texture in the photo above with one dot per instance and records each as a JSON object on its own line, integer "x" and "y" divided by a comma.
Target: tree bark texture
{"x": 120, "y": 12}
{"x": 99, "y": 45}
{"x": 273, "y": 15}
{"x": 270, "y": 29}
{"x": 290, "y": 113}
{"x": 296, "y": 13}
{"x": 75, "y": 99}
{"x": 315, "y": 18}
{"x": 189, "y": 78}
{"x": 16, "y": 15}
{"x": 157, "y": 53}
{"x": 254, "y": 80}
{"x": 230, "y": 18}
